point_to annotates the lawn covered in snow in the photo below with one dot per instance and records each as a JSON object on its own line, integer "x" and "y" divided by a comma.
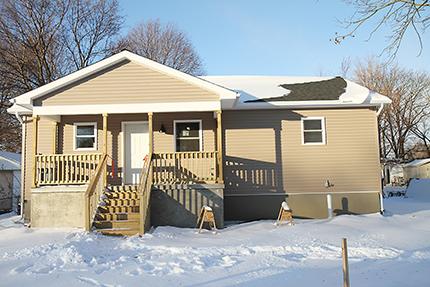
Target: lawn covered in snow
{"x": 390, "y": 250}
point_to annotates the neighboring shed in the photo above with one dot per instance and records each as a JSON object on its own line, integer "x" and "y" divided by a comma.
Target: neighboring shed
{"x": 10, "y": 181}
{"x": 419, "y": 168}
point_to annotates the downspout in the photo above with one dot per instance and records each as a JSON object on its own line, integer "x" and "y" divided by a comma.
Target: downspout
{"x": 23, "y": 153}
{"x": 23, "y": 156}
{"x": 380, "y": 110}
{"x": 381, "y": 195}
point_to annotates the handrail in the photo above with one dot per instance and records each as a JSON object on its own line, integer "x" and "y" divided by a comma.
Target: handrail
{"x": 92, "y": 199}
{"x": 144, "y": 191}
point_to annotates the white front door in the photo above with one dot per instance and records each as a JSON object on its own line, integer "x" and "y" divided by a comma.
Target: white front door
{"x": 136, "y": 146}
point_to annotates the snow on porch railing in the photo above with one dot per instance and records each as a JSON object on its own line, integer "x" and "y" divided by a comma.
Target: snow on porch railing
{"x": 55, "y": 169}
{"x": 185, "y": 167}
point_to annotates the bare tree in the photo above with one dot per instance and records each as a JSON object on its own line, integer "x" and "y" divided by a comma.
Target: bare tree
{"x": 345, "y": 66}
{"x": 400, "y": 15}
{"x": 422, "y": 133}
{"x": 90, "y": 30}
{"x": 410, "y": 94}
{"x": 42, "y": 40}
{"x": 164, "y": 44}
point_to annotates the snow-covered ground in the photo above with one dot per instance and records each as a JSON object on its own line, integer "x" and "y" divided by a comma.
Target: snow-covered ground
{"x": 390, "y": 250}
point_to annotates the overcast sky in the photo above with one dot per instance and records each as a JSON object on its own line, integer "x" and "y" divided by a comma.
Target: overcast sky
{"x": 270, "y": 37}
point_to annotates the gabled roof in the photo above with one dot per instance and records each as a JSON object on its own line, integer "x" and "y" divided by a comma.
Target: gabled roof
{"x": 27, "y": 98}
{"x": 285, "y": 91}
{"x": 10, "y": 161}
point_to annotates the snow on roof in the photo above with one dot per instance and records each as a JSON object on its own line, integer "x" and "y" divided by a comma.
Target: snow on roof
{"x": 417, "y": 162}
{"x": 255, "y": 88}
{"x": 10, "y": 160}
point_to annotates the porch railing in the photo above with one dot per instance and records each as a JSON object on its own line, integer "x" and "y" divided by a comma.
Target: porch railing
{"x": 94, "y": 192}
{"x": 185, "y": 167}
{"x": 144, "y": 191}
{"x": 55, "y": 169}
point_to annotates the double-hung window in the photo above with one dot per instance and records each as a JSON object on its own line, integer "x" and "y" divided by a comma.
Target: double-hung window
{"x": 85, "y": 136}
{"x": 313, "y": 131}
{"x": 188, "y": 135}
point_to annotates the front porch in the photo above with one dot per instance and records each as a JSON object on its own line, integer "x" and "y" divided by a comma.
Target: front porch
{"x": 146, "y": 152}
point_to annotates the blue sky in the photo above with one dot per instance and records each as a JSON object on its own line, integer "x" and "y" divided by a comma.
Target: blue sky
{"x": 270, "y": 37}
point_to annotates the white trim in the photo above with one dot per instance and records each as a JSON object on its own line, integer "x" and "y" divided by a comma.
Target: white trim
{"x": 75, "y": 125}
{"x": 323, "y": 129}
{"x": 200, "y": 106}
{"x": 188, "y": 121}
{"x": 28, "y": 97}
{"x": 123, "y": 123}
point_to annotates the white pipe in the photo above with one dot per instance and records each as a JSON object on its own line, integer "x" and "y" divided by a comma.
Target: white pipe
{"x": 19, "y": 118}
{"x": 380, "y": 109}
{"x": 381, "y": 200}
{"x": 23, "y": 155}
{"x": 330, "y": 205}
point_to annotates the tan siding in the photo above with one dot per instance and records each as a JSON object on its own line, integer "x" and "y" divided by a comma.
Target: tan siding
{"x": 264, "y": 153}
{"x": 127, "y": 82}
{"x": 45, "y": 135}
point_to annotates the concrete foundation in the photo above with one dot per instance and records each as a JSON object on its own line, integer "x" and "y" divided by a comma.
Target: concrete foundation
{"x": 179, "y": 205}
{"x": 58, "y": 206}
{"x": 257, "y": 207}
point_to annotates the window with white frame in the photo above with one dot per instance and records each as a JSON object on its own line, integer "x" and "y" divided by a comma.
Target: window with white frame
{"x": 313, "y": 130}
{"x": 188, "y": 135}
{"x": 85, "y": 136}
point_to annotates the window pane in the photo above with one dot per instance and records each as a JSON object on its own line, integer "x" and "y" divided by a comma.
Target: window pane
{"x": 85, "y": 130}
{"x": 85, "y": 142}
{"x": 312, "y": 124}
{"x": 187, "y": 130}
{"x": 187, "y": 144}
{"x": 313, "y": 137}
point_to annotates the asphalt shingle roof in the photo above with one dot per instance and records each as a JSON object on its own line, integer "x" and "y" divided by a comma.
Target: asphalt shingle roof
{"x": 330, "y": 89}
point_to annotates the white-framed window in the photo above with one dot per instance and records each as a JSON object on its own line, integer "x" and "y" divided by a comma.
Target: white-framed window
{"x": 313, "y": 131}
{"x": 188, "y": 135}
{"x": 85, "y": 136}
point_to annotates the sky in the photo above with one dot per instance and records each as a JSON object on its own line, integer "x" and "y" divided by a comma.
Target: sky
{"x": 271, "y": 37}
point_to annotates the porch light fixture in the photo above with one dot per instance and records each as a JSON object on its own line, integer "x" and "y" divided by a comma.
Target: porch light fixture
{"x": 162, "y": 129}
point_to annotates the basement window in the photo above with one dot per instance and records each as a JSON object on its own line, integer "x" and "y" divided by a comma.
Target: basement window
{"x": 188, "y": 135}
{"x": 313, "y": 131}
{"x": 85, "y": 136}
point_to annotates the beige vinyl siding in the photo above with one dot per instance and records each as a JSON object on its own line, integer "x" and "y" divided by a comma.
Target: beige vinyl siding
{"x": 127, "y": 82}
{"x": 266, "y": 163}
{"x": 350, "y": 159}
{"x": 264, "y": 152}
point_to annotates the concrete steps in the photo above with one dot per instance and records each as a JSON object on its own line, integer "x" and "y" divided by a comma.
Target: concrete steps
{"x": 118, "y": 214}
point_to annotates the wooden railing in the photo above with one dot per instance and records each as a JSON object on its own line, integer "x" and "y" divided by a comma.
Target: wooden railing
{"x": 185, "y": 167}
{"x": 55, "y": 169}
{"x": 144, "y": 191}
{"x": 94, "y": 192}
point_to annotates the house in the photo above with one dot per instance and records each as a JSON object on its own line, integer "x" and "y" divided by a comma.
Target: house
{"x": 127, "y": 143}
{"x": 10, "y": 181}
{"x": 418, "y": 168}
